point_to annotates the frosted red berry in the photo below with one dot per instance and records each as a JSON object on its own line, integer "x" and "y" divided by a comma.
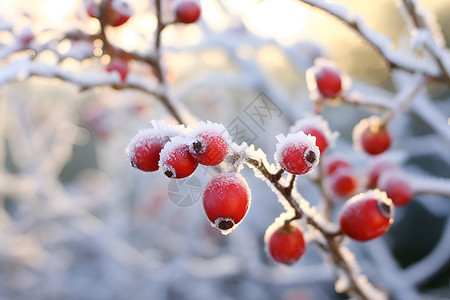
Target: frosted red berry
{"x": 371, "y": 136}
{"x": 398, "y": 189}
{"x": 286, "y": 244}
{"x": 328, "y": 82}
{"x": 367, "y": 216}
{"x": 144, "y": 149}
{"x": 26, "y": 37}
{"x": 118, "y": 12}
{"x": 175, "y": 160}
{"x": 375, "y": 171}
{"x": 209, "y": 144}
{"x": 317, "y": 127}
{"x": 120, "y": 66}
{"x": 321, "y": 140}
{"x": 226, "y": 201}
{"x": 297, "y": 153}
{"x": 335, "y": 163}
{"x": 344, "y": 183}
{"x": 187, "y": 12}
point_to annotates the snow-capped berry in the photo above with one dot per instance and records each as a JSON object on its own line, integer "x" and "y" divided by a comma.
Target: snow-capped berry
{"x": 297, "y": 153}
{"x": 367, "y": 216}
{"x": 396, "y": 187}
{"x": 120, "y": 66}
{"x": 328, "y": 82}
{"x": 317, "y": 127}
{"x": 118, "y": 12}
{"x": 376, "y": 170}
{"x": 334, "y": 163}
{"x": 175, "y": 160}
{"x": 285, "y": 244}
{"x": 187, "y": 12}
{"x": 343, "y": 182}
{"x": 145, "y": 147}
{"x": 226, "y": 201}
{"x": 26, "y": 36}
{"x": 209, "y": 144}
{"x": 371, "y": 136}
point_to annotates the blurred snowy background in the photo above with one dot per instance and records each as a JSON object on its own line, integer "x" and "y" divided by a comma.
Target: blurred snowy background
{"x": 77, "y": 222}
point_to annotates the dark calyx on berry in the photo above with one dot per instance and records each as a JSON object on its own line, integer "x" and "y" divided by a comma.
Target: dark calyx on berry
{"x": 168, "y": 173}
{"x": 197, "y": 146}
{"x": 385, "y": 209}
{"x": 311, "y": 157}
{"x": 225, "y": 224}
{"x": 133, "y": 164}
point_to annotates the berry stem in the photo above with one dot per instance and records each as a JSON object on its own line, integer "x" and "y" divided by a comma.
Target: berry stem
{"x": 328, "y": 202}
{"x": 333, "y": 240}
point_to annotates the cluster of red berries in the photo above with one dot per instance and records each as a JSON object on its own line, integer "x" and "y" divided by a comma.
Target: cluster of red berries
{"x": 297, "y": 153}
{"x": 370, "y": 135}
{"x": 386, "y": 176}
{"x": 177, "y": 153}
{"x": 340, "y": 177}
{"x": 118, "y": 12}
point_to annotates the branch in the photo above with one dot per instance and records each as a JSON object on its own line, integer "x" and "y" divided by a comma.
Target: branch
{"x": 331, "y": 239}
{"x": 380, "y": 43}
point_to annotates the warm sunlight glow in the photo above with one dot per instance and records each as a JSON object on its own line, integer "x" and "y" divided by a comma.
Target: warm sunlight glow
{"x": 57, "y": 10}
{"x": 280, "y": 19}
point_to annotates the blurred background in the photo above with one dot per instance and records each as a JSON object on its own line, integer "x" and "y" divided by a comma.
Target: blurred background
{"x": 77, "y": 222}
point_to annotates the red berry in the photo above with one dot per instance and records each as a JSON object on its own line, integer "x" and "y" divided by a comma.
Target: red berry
{"x": 371, "y": 136}
{"x": 321, "y": 140}
{"x": 226, "y": 200}
{"x": 328, "y": 82}
{"x": 297, "y": 153}
{"x": 367, "y": 216}
{"x": 375, "y": 171}
{"x": 26, "y": 36}
{"x": 187, "y": 12}
{"x": 118, "y": 12}
{"x": 175, "y": 159}
{"x": 120, "y": 66}
{"x": 344, "y": 183}
{"x": 92, "y": 9}
{"x": 145, "y": 147}
{"x": 210, "y": 143}
{"x": 317, "y": 127}
{"x": 397, "y": 188}
{"x": 285, "y": 245}
{"x": 335, "y": 163}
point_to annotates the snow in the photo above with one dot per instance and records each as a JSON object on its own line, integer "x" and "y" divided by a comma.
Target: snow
{"x": 122, "y": 7}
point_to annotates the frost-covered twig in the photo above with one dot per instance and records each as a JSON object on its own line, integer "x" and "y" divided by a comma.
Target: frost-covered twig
{"x": 381, "y": 43}
{"x": 330, "y": 240}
